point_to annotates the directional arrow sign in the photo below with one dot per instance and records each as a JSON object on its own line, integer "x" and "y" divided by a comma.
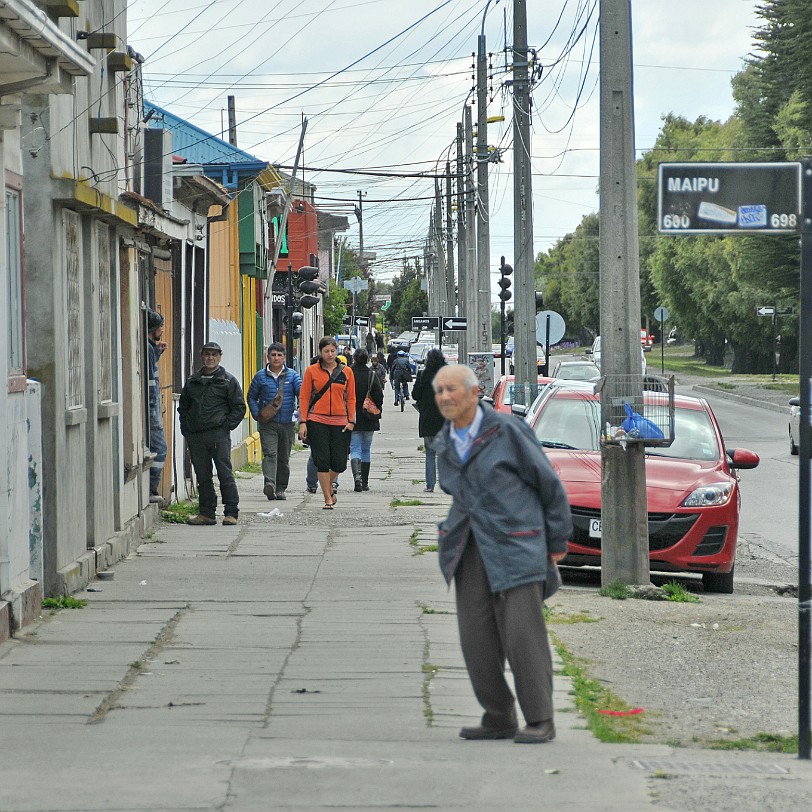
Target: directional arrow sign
{"x": 765, "y": 310}
{"x": 362, "y": 321}
{"x": 451, "y": 323}
{"x": 425, "y": 322}
{"x": 787, "y": 311}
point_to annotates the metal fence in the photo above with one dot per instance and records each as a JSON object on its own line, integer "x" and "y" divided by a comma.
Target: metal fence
{"x": 637, "y": 409}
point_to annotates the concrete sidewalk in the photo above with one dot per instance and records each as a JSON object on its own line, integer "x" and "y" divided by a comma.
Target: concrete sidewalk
{"x": 305, "y": 662}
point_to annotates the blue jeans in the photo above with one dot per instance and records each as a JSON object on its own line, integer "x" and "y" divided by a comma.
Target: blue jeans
{"x": 431, "y": 463}
{"x": 157, "y": 445}
{"x": 361, "y": 445}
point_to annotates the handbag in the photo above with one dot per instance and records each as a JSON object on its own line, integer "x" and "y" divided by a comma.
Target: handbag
{"x": 270, "y": 409}
{"x": 369, "y": 408}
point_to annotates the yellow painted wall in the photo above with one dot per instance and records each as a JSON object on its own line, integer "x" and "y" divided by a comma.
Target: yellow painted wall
{"x": 224, "y": 269}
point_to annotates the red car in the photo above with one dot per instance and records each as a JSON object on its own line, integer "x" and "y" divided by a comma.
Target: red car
{"x": 692, "y": 485}
{"x": 504, "y": 395}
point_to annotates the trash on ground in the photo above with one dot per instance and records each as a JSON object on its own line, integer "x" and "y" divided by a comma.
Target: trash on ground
{"x": 273, "y": 514}
{"x": 632, "y": 712}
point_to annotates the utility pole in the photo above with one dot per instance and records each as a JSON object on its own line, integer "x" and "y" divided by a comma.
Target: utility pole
{"x": 462, "y": 272}
{"x": 624, "y": 544}
{"x": 439, "y": 251}
{"x": 232, "y": 121}
{"x": 524, "y": 304}
{"x": 482, "y": 342}
{"x": 359, "y": 213}
{"x": 451, "y": 295}
{"x": 471, "y": 296}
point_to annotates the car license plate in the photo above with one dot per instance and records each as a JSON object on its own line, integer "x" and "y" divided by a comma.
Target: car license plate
{"x": 594, "y": 528}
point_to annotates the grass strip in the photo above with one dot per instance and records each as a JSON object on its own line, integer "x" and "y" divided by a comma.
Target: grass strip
{"x": 591, "y": 696}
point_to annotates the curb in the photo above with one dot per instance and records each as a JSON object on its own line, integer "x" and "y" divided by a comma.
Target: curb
{"x": 762, "y": 404}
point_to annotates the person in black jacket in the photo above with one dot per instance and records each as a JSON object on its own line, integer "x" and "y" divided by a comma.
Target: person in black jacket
{"x": 366, "y": 382}
{"x": 431, "y": 421}
{"x": 211, "y": 406}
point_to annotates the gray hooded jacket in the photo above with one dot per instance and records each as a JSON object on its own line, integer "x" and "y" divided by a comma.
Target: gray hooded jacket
{"x": 508, "y": 495}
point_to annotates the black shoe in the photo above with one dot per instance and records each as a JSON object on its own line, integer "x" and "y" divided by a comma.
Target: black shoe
{"x": 281, "y": 495}
{"x": 312, "y": 490}
{"x": 270, "y": 492}
{"x": 481, "y": 733}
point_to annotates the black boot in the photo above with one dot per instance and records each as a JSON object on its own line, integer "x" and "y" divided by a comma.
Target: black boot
{"x": 356, "y": 473}
{"x": 365, "y": 476}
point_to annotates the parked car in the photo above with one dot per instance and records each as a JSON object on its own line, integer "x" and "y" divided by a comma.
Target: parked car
{"x": 646, "y": 340}
{"x": 539, "y": 360}
{"x": 595, "y": 354}
{"x": 404, "y": 340}
{"x": 576, "y": 371}
{"x": 794, "y": 426}
{"x": 692, "y": 486}
{"x": 505, "y": 392}
{"x": 417, "y": 355}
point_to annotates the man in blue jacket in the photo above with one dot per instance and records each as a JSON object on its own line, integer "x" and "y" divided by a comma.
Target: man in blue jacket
{"x": 508, "y": 524}
{"x": 277, "y": 434}
{"x": 211, "y": 406}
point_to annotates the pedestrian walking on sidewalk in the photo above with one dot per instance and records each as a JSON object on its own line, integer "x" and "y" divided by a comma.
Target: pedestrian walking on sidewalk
{"x": 367, "y": 421}
{"x": 508, "y": 525}
{"x": 327, "y": 412}
{"x": 430, "y": 421}
{"x": 272, "y": 398}
{"x": 211, "y": 406}
{"x": 379, "y": 367}
{"x": 157, "y": 439}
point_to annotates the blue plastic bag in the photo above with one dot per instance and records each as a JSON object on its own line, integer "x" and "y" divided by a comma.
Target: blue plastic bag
{"x": 635, "y": 425}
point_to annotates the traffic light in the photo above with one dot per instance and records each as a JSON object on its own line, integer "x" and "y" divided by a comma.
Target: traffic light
{"x": 308, "y": 285}
{"x": 539, "y": 302}
{"x": 504, "y": 281}
{"x": 297, "y": 318}
{"x": 509, "y": 323}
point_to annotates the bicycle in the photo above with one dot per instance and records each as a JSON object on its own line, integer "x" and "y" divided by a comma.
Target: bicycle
{"x": 401, "y": 392}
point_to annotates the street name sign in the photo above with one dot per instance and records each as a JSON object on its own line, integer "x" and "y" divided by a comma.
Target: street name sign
{"x": 356, "y": 284}
{"x": 724, "y": 198}
{"x": 425, "y": 322}
{"x": 452, "y": 323}
{"x": 765, "y": 310}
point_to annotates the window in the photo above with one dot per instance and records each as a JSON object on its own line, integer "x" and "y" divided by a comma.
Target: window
{"x": 14, "y": 264}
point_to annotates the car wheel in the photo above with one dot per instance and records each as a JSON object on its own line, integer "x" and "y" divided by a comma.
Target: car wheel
{"x": 718, "y": 582}
{"x": 793, "y": 449}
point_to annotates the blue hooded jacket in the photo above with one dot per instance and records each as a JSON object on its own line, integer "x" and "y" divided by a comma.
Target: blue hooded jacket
{"x": 263, "y": 390}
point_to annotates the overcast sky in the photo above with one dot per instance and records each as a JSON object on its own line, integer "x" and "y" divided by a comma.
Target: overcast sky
{"x": 403, "y": 71}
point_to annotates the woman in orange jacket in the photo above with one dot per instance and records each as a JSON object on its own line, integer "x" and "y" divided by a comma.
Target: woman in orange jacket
{"x": 327, "y": 413}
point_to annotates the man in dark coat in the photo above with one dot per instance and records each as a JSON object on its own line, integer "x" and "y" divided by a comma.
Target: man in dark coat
{"x": 508, "y": 525}
{"x": 211, "y": 406}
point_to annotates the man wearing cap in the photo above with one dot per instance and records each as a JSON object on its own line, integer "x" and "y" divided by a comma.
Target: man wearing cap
{"x": 157, "y": 439}
{"x": 211, "y": 406}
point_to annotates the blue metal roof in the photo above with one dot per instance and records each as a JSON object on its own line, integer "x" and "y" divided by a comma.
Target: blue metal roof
{"x": 220, "y": 160}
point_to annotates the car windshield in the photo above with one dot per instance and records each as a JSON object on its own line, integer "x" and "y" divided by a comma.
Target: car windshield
{"x": 574, "y": 423}
{"x": 578, "y": 372}
{"x": 523, "y": 394}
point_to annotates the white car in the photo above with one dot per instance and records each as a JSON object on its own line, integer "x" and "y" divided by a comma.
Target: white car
{"x": 595, "y": 354}
{"x": 794, "y": 426}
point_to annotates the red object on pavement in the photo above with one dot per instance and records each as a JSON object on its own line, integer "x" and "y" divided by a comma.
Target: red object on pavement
{"x": 631, "y": 712}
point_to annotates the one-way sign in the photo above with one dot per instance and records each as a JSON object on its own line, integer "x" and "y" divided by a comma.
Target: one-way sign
{"x": 765, "y": 310}
{"x": 425, "y": 322}
{"x": 451, "y": 323}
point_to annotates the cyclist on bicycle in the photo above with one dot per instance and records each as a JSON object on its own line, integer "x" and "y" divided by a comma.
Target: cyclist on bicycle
{"x": 401, "y": 376}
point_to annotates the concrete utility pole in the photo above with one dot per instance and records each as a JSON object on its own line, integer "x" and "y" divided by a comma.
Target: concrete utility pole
{"x": 482, "y": 342}
{"x": 451, "y": 294}
{"x": 524, "y": 303}
{"x": 471, "y": 295}
{"x": 232, "y": 121}
{"x": 360, "y": 215}
{"x": 439, "y": 251}
{"x": 623, "y": 491}
{"x": 462, "y": 252}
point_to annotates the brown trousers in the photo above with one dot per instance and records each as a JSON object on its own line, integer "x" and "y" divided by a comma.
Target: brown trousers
{"x": 498, "y": 626}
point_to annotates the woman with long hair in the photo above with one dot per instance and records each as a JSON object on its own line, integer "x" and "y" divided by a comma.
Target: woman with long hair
{"x": 367, "y": 383}
{"x": 327, "y": 413}
{"x": 431, "y": 421}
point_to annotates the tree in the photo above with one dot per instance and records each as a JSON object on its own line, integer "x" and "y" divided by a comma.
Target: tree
{"x": 407, "y": 298}
{"x": 335, "y": 308}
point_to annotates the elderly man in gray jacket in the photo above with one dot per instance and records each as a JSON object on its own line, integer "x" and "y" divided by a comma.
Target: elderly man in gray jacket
{"x": 508, "y": 524}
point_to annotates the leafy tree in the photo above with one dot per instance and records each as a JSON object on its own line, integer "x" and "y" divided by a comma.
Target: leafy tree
{"x": 335, "y": 308}
{"x": 407, "y": 298}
